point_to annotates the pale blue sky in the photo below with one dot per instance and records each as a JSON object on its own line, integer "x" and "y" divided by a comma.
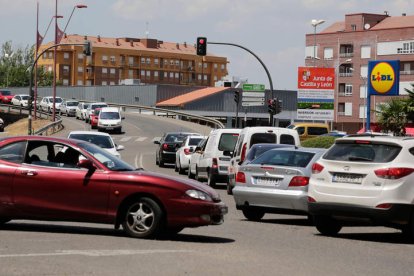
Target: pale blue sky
{"x": 273, "y": 29}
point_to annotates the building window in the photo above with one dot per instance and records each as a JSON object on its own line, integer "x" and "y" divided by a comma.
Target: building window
{"x": 113, "y": 59}
{"x": 177, "y": 75}
{"x": 112, "y": 71}
{"x": 130, "y": 74}
{"x": 348, "y": 109}
{"x": 155, "y": 74}
{"x": 45, "y": 55}
{"x": 165, "y": 62}
{"x": 362, "y": 91}
{"x": 104, "y": 58}
{"x": 80, "y": 82}
{"x": 205, "y": 65}
{"x": 104, "y": 83}
{"x": 328, "y": 53}
{"x": 177, "y": 63}
{"x": 88, "y": 82}
{"x": 80, "y": 69}
{"x": 65, "y": 82}
{"x": 171, "y": 62}
{"x": 200, "y": 65}
{"x": 148, "y": 61}
{"x": 65, "y": 69}
{"x": 199, "y": 77}
{"x": 156, "y": 61}
{"x": 171, "y": 75}
{"x": 112, "y": 83}
{"x": 353, "y": 27}
{"x": 66, "y": 55}
{"x": 205, "y": 77}
{"x": 365, "y": 51}
{"x": 348, "y": 89}
{"x": 104, "y": 70}
{"x": 50, "y": 54}
{"x": 223, "y": 67}
{"x": 143, "y": 73}
{"x": 148, "y": 73}
{"x": 49, "y": 68}
{"x": 215, "y": 78}
{"x": 131, "y": 61}
{"x": 80, "y": 56}
{"x": 165, "y": 75}
{"x": 362, "y": 112}
{"x": 142, "y": 60}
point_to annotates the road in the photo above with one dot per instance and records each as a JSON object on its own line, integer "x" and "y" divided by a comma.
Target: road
{"x": 278, "y": 245}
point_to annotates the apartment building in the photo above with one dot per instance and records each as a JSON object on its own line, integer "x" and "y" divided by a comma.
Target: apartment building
{"x": 347, "y": 46}
{"x": 115, "y": 60}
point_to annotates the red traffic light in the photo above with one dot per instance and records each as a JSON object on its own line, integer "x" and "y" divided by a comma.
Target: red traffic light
{"x": 201, "y": 41}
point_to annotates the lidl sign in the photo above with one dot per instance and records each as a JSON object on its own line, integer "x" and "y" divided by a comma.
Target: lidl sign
{"x": 384, "y": 77}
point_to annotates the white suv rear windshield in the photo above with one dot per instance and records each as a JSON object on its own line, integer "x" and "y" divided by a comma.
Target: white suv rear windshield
{"x": 363, "y": 151}
{"x": 228, "y": 141}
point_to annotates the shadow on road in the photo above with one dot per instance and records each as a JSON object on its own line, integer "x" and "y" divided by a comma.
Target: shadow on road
{"x": 392, "y": 238}
{"x": 82, "y": 230}
{"x": 288, "y": 221}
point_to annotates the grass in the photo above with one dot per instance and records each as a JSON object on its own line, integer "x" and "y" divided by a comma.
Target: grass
{"x": 21, "y": 126}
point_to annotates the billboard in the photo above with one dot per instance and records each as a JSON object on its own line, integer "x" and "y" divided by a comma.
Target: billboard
{"x": 316, "y": 88}
{"x": 384, "y": 77}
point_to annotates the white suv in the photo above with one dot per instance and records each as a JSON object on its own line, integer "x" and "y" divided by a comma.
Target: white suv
{"x": 364, "y": 177}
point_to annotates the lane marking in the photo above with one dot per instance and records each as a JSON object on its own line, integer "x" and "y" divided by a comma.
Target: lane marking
{"x": 94, "y": 253}
{"x": 141, "y": 139}
{"x": 125, "y": 139}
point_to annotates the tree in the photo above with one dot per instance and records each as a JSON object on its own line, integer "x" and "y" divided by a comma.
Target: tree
{"x": 392, "y": 116}
{"x": 410, "y": 103}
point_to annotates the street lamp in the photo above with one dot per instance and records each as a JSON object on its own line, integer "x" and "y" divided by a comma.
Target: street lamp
{"x": 365, "y": 80}
{"x": 315, "y": 23}
{"x": 80, "y": 6}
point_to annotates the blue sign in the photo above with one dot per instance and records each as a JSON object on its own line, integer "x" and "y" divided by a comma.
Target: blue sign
{"x": 384, "y": 77}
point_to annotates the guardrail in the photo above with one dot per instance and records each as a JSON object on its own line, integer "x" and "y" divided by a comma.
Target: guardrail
{"x": 168, "y": 113}
{"x": 49, "y": 129}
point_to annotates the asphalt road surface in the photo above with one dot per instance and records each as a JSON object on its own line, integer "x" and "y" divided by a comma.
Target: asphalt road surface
{"x": 278, "y": 245}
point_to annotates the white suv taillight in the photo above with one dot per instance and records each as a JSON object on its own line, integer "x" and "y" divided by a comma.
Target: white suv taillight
{"x": 316, "y": 168}
{"x": 393, "y": 173}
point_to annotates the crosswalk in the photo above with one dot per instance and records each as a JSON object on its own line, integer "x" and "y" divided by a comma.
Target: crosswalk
{"x": 130, "y": 138}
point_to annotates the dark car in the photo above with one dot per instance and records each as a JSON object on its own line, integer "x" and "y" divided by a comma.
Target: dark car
{"x": 6, "y": 96}
{"x": 168, "y": 146}
{"x": 46, "y": 178}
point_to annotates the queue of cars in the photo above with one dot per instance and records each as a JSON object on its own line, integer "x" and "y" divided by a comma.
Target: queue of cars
{"x": 365, "y": 178}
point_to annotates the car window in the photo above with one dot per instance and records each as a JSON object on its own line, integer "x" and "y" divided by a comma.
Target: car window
{"x": 284, "y": 158}
{"x": 356, "y": 152}
{"x": 99, "y": 140}
{"x": 258, "y": 138}
{"x": 300, "y": 130}
{"x": 194, "y": 141}
{"x": 228, "y": 141}
{"x": 317, "y": 130}
{"x": 110, "y": 115}
{"x": 13, "y": 152}
{"x": 287, "y": 139}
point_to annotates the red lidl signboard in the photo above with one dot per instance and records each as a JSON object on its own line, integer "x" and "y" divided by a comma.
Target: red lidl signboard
{"x": 384, "y": 77}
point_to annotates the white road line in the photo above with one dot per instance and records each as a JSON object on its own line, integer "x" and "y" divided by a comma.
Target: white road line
{"x": 94, "y": 253}
{"x": 141, "y": 139}
{"x": 125, "y": 139}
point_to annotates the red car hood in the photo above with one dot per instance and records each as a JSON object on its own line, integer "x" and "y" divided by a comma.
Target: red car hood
{"x": 170, "y": 181}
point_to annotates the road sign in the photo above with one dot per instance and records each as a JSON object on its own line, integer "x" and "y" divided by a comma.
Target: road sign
{"x": 253, "y": 99}
{"x": 254, "y": 94}
{"x": 253, "y": 87}
{"x": 252, "y": 103}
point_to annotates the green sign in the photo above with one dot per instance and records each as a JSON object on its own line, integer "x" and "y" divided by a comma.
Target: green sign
{"x": 253, "y": 87}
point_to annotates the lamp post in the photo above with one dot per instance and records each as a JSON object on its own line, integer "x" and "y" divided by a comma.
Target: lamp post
{"x": 8, "y": 56}
{"x": 337, "y": 88}
{"x": 80, "y": 6}
{"x": 365, "y": 80}
{"x": 315, "y": 23}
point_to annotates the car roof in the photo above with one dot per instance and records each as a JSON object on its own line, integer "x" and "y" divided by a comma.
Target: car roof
{"x": 109, "y": 108}
{"x": 89, "y": 132}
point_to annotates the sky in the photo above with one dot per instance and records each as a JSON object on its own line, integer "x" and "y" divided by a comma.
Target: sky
{"x": 273, "y": 29}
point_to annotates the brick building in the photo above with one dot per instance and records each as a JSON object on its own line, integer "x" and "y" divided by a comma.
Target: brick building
{"x": 348, "y": 45}
{"x": 116, "y": 59}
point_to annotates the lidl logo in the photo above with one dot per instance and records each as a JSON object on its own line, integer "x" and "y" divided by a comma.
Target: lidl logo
{"x": 384, "y": 77}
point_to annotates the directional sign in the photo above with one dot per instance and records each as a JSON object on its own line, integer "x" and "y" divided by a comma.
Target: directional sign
{"x": 253, "y": 99}
{"x": 254, "y": 94}
{"x": 253, "y": 87}
{"x": 252, "y": 103}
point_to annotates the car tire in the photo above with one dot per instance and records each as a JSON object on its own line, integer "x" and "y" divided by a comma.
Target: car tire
{"x": 190, "y": 175}
{"x": 211, "y": 181}
{"x": 143, "y": 219}
{"x": 327, "y": 225}
{"x": 253, "y": 214}
{"x": 175, "y": 166}
{"x": 229, "y": 189}
{"x": 180, "y": 169}
{"x": 196, "y": 177}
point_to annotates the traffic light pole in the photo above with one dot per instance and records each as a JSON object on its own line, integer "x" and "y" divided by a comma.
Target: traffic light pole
{"x": 261, "y": 62}
{"x": 31, "y": 91}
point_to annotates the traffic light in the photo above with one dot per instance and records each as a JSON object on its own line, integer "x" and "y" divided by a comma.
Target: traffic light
{"x": 277, "y": 106}
{"x": 201, "y": 46}
{"x": 87, "y": 48}
{"x": 237, "y": 96}
{"x": 270, "y": 106}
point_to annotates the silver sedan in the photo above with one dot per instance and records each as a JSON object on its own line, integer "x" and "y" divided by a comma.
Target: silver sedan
{"x": 275, "y": 182}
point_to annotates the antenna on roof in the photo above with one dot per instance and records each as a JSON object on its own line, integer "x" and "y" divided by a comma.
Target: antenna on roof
{"x": 146, "y": 30}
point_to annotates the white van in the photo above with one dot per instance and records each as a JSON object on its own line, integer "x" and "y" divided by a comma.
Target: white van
{"x": 255, "y": 135}
{"x": 213, "y": 164}
{"x": 110, "y": 119}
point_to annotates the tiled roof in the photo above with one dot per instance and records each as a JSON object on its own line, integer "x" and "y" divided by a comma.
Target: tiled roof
{"x": 334, "y": 28}
{"x": 395, "y": 22}
{"x": 192, "y": 96}
{"x": 125, "y": 43}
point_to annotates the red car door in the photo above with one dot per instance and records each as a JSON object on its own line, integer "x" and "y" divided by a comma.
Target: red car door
{"x": 42, "y": 190}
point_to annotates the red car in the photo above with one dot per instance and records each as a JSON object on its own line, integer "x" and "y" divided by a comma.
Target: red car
{"x": 47, "y": 178}
{"x": 6, "y": 96}
{"x": 94, "y": 118}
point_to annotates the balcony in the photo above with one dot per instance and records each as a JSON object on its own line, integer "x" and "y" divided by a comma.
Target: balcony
{"x": 346, "y": 55}
{"x": 410, "y": 72}
{"x": 345, "y": 74}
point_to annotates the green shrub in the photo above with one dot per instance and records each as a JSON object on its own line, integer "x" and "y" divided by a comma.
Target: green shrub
{"x": 319, "y": 142}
